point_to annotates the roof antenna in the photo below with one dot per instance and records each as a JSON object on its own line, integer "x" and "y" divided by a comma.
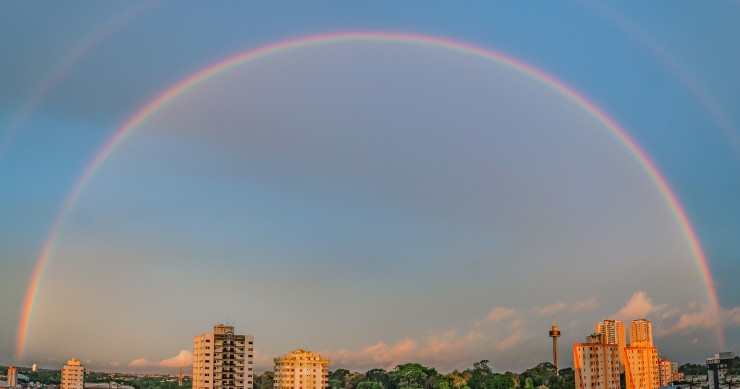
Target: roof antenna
{"x": 554, "y": 319}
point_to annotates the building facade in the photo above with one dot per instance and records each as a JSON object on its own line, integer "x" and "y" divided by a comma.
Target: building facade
{"x": 641, "y": 369}
{"x": 665, "y": 371}
{"x": 223, "y": 360}
{"x": 12, "y": 376}
{"x": 300, "y": 369}
{"x": 717, "y": 368}
{"x": 596, "y": 364}
{"x": 73, "y": 375}
{"x": 613, "y": 332}
{"x": 641, "y": 333}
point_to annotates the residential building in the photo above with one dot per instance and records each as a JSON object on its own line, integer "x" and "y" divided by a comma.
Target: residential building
{"x": 73, "y": 375}
{"x": 596, "y": 364}
{"x": 613, "y": 331}
{"x": 665, "y": 371}
{"x": 641, "y": 333}
{"x": 717, "y": 368}
{"x": 12, "y": 376}
{"x": 301, "y": 369}
{"x": 223, "y": 360}
{"x": 641, "y": 369}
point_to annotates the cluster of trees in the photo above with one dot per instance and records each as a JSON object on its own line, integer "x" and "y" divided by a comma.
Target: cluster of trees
{"x": 701, "y": 369}
{"x": 693, "y": 369}
{"x": 46, "y": 377}
{"x": 418, "y": 376}
{"x": 54, "y": 377}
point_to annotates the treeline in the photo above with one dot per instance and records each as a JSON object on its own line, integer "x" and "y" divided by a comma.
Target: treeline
{"x": 418, "y": 376}
{"x": 701, "y": 369}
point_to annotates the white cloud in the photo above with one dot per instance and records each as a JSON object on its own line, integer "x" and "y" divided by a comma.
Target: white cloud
{"x": 183, "y": 359}
{"x": 550, "y": 309}
{"x": 263, "y": 361}
{"x": 115, "y": 363}
{"x": 731, "y": 317}
{"x": 703, "y": 318}
{"x": 140, "y": 362}
{"x": 499, "y": 313}
{"x": 379, "y": 353}
{"x": 638, "y": 307}
{"x": 590, "y": 303}
{"x": 516, "y": 324}
{"x": 511, "y": 341}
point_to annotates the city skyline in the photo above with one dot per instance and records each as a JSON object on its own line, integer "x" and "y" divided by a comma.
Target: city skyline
{"x": 411, "y": 183}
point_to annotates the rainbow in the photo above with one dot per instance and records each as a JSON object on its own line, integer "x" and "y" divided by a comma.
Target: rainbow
{"x": 44, "y": 89}
{"x": 190, "y": 82}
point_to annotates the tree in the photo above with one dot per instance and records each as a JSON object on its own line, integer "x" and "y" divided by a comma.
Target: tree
{"x": 413, "y": 375}
{"x": 379, "y": 376}
{"x": 457, "y": 380}
{"x": 336, "y": 378}
{"x": 265, "y": 380}
{"x": 479, "y": 375}
{"x": 500, "y": 381}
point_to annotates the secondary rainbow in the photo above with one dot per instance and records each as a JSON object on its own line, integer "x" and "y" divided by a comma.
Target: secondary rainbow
{"x": 252, "y": 55}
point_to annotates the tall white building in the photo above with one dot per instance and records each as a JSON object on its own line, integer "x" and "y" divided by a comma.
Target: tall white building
{"x": 641, "y": 368}
{"x": 12, "y": 376}
{"x": 613, "y": 332}
{"x": 641, "y": 333}
{"x": 73, "y": 375}
{"x": 596, "y": 364}
{"x": 223, "y": 360}
{"x": 300, "y": 369}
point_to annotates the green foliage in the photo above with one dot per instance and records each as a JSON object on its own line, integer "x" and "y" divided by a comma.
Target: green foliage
{"x": 500, "y": 381}
{"x": 336, "y": 378}
{"x": 370, "y": 385}
{"x": 46, "y": 377}
{"x": 156, "y": 383}
{"x": 693, "y": 369}
{"x": 264, "y": 380}
{"x": 410, "y": 376}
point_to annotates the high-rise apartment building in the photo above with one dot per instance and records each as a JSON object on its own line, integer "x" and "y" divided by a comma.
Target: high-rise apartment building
{"x": 12, "y": 376}
{"x": 73, "y": 375}
{"x": 641, "y": 370}
{"x": 596, "y": 364}
{"x": 223, "y": 360}
{"x": 300, "y": 369}
{"x": 641, "y": 333}
{"x": 613, "y": 332}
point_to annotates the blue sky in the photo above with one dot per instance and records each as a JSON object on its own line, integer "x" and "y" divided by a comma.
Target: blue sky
{"x": 401, "y": 203}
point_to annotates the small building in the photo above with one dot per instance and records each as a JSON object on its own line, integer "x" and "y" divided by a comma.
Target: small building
{"x": 73, "y": 375}
{"x": 301, "y": 369}
{"x": 717, "y": 368}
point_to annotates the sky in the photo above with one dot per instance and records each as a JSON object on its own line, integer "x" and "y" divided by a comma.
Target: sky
{"x": 380, "y": 182}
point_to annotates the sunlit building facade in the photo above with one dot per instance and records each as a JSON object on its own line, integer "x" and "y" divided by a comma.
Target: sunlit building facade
{"x": 613, "y": 332}
{"x": 596, "y": 364}
{"x": 300, "y": 369}
{"x": 223, "y": 360}
{"x": 641, "y": 333}
{"x": 73, "y": 375}
{"x": 665, "y": 371}
{"x": 641, "y": 370}
{"x": 12, "y": 378}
